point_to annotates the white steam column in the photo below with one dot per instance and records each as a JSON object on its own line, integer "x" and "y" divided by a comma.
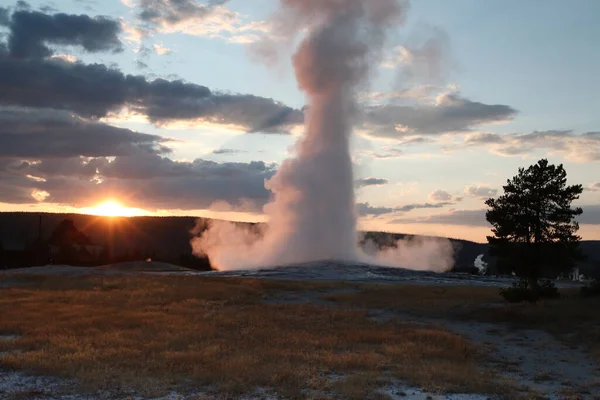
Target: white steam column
{"x": 312, "y": 216}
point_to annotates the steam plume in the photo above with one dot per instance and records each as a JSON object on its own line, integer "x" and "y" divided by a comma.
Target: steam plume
{"x": 312, "y": 216}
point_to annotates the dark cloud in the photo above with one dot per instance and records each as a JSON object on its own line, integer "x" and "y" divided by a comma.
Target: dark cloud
{"x": 359, "y": 183}
{"x": 171, "y": 12}
{"x": 251, "y": 113}
{"x": 365, "y": 210}
{"x": 14, "y": 190}
{"x": 451, "y": 113}
{"x": 88, "y": 90}
{"x": 95, "y": 90}
{"x": 50, "y": 133}
{"x": 32, "y": 31}
{"x": 4, "y": 16}
{"x": 143, "y": 179}
{"x": 226, "y": 151}
{"x": 285, "y": 117}
{"x": 23, "y": 5}
{"x": 73, "y": 167}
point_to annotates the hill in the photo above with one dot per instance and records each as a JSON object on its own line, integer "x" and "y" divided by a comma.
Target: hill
{"x": 167, "y": 238}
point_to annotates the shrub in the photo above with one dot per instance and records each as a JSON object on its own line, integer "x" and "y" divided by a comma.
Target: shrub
{"x": 548, "y": 289}
{"x": 591, "y": 289}
{"x": 520, "y": 291}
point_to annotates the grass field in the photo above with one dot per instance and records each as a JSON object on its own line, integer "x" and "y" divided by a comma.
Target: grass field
{"x": 152, "y": 334}
{"x": 571, "y": 318}
{"x": 232, "y": 337}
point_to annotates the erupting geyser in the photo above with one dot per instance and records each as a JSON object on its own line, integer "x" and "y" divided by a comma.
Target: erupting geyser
{"x": 312, "y": 216}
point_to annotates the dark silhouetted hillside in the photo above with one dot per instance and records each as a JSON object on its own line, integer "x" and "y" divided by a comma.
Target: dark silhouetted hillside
{"x": 167, "y": 238}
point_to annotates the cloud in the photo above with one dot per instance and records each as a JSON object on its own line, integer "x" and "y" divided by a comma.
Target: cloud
{"x": 386, "y": 153}
{"x": 482, "y": 138}
{"x": 173, "y": 12}
{"x": 44, "y": 133}
{"x": 591, "y": 215}
{"x": 40, "y": 195}
{"x": 32, "y": 76}
{"x": 22, "y": 5}
{"x": 95, "y": 91}
{"x": 139, "y": 64}
{"x": 147, "y": 180}
{"x": 420, "y": 92}
{"x": 32, "y": 31}
{"x": 425, "y": 62}
{"x": 363, "y": 182}
{"x": 411, "y": 207}
{"x": 191, "y": 17}
{"x": 226, "y": 151}
{"x": 65, "y": 58}
{"x": 476, "y": 218}
{"x": 440, "y": 196}
{"x": 481, "y": 192}
{"x": 4, "y": 16}
{"x": 414, "y": 140}
{"x": 593, "y": 187}
{"x": 456, "y": 217}
{"x": 365, "y": 209}
{"x": 574, "y": 147}
{"x": 161, "y": 49}
{"x": 450, "y": 113}
{"x": 133, "y": 34}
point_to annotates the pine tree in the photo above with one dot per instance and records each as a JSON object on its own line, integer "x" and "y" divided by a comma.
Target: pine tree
{"x": 533, "y": 223}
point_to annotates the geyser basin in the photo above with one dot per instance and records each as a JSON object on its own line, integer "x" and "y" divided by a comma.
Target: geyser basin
{"x": 363, "y": 273}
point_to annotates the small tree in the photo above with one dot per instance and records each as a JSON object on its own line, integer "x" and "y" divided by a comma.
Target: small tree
{"x": 533, "y": 223}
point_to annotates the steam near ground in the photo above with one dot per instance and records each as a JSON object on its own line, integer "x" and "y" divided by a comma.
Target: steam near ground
{"x": 233, "y": 247}
{"x": 312, "y": 216}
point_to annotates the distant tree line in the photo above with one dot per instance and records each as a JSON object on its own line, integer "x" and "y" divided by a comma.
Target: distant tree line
{"x": 67, "y": 245}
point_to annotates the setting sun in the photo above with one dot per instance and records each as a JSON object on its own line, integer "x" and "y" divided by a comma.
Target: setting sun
{"x": 114, "y": 209}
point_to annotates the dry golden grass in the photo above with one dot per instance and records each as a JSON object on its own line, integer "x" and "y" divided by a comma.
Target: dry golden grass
{"x": 572, "y": 318}
{"x": 161, "y": 332}
{"x": 429, "y": 300}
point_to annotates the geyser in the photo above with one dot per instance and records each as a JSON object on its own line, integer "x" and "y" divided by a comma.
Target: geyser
{"x": 312, "y": 216}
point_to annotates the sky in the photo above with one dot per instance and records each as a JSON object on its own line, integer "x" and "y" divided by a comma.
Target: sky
{"x": 185, "y": 107}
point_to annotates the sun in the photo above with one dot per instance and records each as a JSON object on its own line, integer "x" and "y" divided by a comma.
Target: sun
{"x": 113, "y": 208}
